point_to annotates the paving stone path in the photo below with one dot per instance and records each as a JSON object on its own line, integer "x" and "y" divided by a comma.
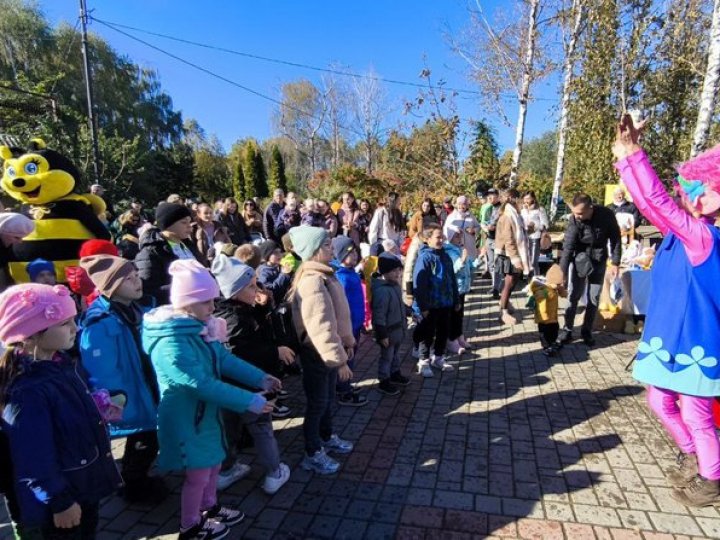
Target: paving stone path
{"x": 511, "y": 444}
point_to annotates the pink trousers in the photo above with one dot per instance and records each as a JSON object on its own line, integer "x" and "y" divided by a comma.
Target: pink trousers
{"x": 690, "y": 423}
{"x": 199, "y": 493}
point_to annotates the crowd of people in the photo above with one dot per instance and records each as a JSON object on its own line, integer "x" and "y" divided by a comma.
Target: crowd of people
{"x": 177, "y": 335}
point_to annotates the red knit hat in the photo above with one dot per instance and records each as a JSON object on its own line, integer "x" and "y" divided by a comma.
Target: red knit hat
{"x": 98, "y": 247}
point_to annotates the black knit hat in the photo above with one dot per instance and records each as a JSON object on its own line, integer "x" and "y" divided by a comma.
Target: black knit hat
{"x": 266, "y": 249}
{"x": 387, "y": 262}
{"x": 166, "y": 214}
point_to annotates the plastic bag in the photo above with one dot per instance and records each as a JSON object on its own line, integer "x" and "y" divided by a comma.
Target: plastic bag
{"x": 616, "y": 291}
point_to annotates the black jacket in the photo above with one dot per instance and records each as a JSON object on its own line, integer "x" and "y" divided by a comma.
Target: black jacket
{"x": 592, "y": 237}
{"x": 250, "y": 335}
{"x": 236, "y": 228}
{"x": 153, "y": 262}
{"x": 627, "y": 208}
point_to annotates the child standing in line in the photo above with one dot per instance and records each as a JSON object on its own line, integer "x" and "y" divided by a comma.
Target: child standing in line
{"x": 272, "y": 274}
{"x": 545, "y": 293}
{"x": 60, "y": 452}
{"x": 184, "y": 341}
{"x": 346, "y": 259}
{"x": 252, "y": 337}
{"x": 463, "y": 266}
{"x": 389, "y": 322}
{"x": 42, "y": 271}
{"x": 436, "y": 293}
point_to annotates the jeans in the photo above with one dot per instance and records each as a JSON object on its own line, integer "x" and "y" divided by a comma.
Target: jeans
{"x": 199, "y": 493}
{"x": 594, "y": 287}
{"x": 691, "y": 426}
{"x": 389, "y": 361}
{"x": 261, "y": 431}
{"x": 534, "y": 255}
{"x": 319, "y": 386}
{"x": 434, "y": 329}
{"x": 495, "y": 273}
{"x": 87, "y": 530}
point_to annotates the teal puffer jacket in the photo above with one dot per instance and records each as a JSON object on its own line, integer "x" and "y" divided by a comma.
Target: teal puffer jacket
{"x": 189, "y": 372}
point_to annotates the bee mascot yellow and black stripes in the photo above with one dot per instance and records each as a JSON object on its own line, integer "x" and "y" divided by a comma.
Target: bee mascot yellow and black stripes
{"x": 43, "y": 180}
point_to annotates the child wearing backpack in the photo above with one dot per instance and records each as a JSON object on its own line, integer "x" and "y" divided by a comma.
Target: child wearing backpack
{"x": 60, "y": 452}
{"x": 544, "y": 299}
{"x": 389, "y": 322}
{"x": 184, "y": 342}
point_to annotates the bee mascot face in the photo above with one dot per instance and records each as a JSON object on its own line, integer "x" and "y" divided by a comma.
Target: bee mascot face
{"x": 38, "y": 177}
{"x": 43, "y": 180}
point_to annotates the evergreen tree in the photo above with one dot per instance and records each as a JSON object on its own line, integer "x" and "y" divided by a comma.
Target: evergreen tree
{"x": 239, "y": 182}
{"x": 277, "y": 178}
{"x": 250, "y": 169}
{"x": 261, "y": 181}
{"x": 482, "y": 165}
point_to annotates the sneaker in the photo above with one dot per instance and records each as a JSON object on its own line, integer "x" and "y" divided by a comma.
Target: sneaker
{"x": 566, "y": 337}
{"x": 388, "y": 388}
{"x": 280, "y": 411}
{"x": 273, "y": 483}
{"x": 282, "y": 395}
{"x": 439, "y": 362}
{"x": 337, "y": 445}
{"x": 686, "y": 468}
{"x": 588, "y": 339}
{"x": 224, "y": 515}
{"x": 549, "y": 351}
{"x": 423, "y": 367}
{"x": 415, "y": 351}
{"x": 352, "y": 400}
{"x": 464, "y": 344}
{"x": 320, "y": 463}
{"x": 397, "y": 378}
{"x": 227, "y": 478}
{"x": 205, "y": 530}
{"x": 454, "y": 347}
{"x": 698, "y": 493}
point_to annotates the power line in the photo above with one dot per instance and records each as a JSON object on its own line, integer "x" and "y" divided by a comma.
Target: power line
{"x": 221, "y": 77}
{"x": 306, "y": 66}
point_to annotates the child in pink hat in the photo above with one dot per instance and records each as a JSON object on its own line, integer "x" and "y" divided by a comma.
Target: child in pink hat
{"x": 185, "y": 344}
{"x": 60, "y": 456}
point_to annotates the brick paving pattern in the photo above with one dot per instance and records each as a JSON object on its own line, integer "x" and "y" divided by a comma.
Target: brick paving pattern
{"x": 509, "y": 445}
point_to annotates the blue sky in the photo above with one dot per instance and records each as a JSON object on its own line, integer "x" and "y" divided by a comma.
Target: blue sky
{"x": 397, "y": 38}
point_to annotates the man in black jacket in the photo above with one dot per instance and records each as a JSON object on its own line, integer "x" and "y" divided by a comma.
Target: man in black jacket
{"x": 271, "y": 214}
{"x": 590, "y": 230}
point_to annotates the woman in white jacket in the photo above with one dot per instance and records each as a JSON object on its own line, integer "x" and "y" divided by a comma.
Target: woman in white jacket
{"x": 536, "y": 223}
{"x": 388, "y": 222}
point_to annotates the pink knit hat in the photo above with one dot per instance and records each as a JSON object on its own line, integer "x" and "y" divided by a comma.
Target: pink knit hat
{"x": 191, "y": 283}
{"x": 30, "y": 308}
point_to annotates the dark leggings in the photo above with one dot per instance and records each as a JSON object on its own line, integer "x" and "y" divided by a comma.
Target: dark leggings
{"x": 456, "y": 320}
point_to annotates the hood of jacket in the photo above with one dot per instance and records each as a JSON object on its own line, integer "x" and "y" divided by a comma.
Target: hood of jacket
{"x": 164, "y": 322}
{"x": 380, "y": 283}
{"x": 152, "y": 237}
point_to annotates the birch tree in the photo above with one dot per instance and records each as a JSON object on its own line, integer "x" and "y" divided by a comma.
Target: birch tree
{"x": 506, "y": 57}
{"x": 569, "y": 45}
{"x": 710, "y": 86}
{"x": 369, "y": 109}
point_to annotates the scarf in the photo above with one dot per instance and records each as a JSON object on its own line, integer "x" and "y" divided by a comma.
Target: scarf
{"x": 521, "y": 238}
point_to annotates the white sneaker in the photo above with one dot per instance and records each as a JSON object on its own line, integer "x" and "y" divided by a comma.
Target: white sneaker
{"x": 455, "y": 347}
{"x": 424, "y": 368}
{"x": 272, "y": 484}
{"x": 439, "y": 362}
{"x": 232, "y": 475}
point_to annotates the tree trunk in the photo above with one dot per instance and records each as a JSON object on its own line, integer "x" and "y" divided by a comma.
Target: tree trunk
{"x": 569, "y": 62}
{"x": 368, "y": 155}
{"x": 710, "y": 86}
{"x": 525, "y": 90}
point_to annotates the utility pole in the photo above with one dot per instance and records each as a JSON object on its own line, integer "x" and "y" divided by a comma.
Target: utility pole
{"x": 89, "y": 92}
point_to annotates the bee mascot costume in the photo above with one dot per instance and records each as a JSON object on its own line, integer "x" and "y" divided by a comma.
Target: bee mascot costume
{"x": 43, "y": 181}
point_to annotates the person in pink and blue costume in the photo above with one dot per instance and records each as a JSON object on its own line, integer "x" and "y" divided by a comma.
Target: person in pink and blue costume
{"x": 680, "y": 346}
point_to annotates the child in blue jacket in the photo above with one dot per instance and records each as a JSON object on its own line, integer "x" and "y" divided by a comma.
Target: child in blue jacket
{"x": 436, "y": 294}
{"x": 184, "y": 341}
{"x": 111, "y": 351}
{"x": 60, "y": 452}
{"x": 272, "y": 273}
{"x": 346, "y": 259}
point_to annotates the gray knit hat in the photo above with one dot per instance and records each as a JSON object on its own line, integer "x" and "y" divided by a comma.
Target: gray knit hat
{"x": 231, "y": 274}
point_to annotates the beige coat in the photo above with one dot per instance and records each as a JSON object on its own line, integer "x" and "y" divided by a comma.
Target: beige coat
{"x": 321, "y": 313}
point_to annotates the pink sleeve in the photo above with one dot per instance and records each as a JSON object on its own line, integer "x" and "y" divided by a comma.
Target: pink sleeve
{"x": 653, "y": 201}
